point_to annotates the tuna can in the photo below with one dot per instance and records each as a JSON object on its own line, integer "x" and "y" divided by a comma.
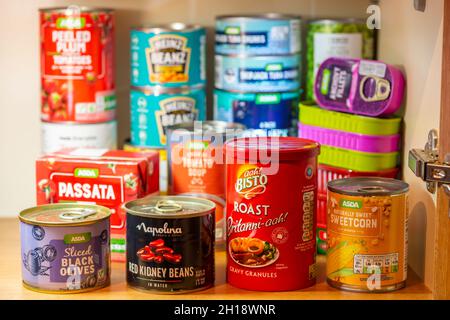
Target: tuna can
{"x": 258, "y": 73}
{"x": 267, "y": 34}
{"x": 264, "y": 114}
{"x": 65, "y": 248}
{"x": 154, "y": 109}
{"x": 197, "y": 163}
{"x": 170, "y": 244}
{"x": 271, "y": 213}
{"x": 163, "y": 171}
{"x": 345, "y": 38}
{"x": 56, "y": 136}
{"x": 170, "y": 55}
{"x": 367, "y": 221}
{"x": 77, "y": 65}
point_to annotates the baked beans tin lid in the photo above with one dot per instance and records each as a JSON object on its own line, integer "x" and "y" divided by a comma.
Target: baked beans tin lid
{"x": 64, "y": 214}
{"x": 170, "y": 27}
{"x": 174, "y": 207}
{"x": 368, "y": 186}
{"x": 286, "y": 147}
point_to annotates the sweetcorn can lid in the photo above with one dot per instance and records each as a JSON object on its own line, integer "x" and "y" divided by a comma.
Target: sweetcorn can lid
{"x": 368, "y": 186}
{"x": 64, "y": 214}
{"x": 170, "y": 207}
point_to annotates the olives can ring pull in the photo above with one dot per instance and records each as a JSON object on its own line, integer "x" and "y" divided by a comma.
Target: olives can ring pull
{"x": 77, "y": 215}
{"x": 168, "y": 206}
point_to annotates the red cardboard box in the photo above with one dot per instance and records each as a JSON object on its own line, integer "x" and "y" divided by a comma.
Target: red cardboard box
{"x": 107, "y": 178}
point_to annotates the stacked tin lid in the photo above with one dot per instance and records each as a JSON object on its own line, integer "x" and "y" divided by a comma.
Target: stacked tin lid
{"x": 257, "y": 68}
{"x": 78, "y": 99}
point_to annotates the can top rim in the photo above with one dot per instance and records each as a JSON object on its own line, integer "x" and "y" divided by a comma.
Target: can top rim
{"x": 368, "y": 186}
{"x": 205, "y": 127}
{"x": 336, "y": 20}
{"x": 83, "y": 9}
{"x": 169, "y": 207}
{"x": 267, "y": 16}
{"x": 64, "y": 214}
{"x": 169, "y": 27}
{"x": 159, "y": 90}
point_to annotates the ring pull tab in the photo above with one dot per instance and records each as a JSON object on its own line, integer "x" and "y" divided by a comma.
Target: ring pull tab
{"x": 76, "y": 215}
{"x": 372, "y": 189}
{"x": 73, "y": 11}
{"x": 168, "y": 206}
{"x": 382, "y": 89}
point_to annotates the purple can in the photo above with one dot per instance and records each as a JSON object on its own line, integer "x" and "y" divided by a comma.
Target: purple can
{"x": 65, "y": 247}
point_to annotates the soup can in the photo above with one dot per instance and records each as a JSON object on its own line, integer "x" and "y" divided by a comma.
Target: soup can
{"x": 271, "y": 213}
{"x": 77, "y": 65}
{"x": 258, "y": 73}
{"x": 267, "y": 34}
{"x": 345, "y": 38}
{"x": 56, "y": 136}
{"x": 367, "y": 220}
{"x": 264, "y": 114}
{"x": 170, "y": 55}
{"x": 197, "y": 163}
{"x": 65, "y": 248}
{"x": 170, "y": 244}
{"x": 154, "y": 109}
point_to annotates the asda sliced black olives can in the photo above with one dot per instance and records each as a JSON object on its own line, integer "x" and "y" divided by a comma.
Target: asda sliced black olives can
{"x": 170, "y": 243}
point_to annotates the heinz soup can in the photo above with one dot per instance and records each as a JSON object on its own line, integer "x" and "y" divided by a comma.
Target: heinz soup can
{"x": 271, "y": 213}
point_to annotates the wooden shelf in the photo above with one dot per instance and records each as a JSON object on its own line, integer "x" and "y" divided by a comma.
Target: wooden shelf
{"x": 11, "y": 281}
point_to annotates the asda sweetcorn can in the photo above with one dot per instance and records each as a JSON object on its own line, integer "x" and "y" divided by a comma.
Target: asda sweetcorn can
{"x": 367, "y": 234}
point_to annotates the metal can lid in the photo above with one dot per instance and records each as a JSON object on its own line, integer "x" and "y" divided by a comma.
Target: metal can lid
{"x": 74, "y": 10}
{"x": 330, "y": 21}
{"x": 170, "y": 207}
{"x": 64, "y": 214}
{"x": 206, "y": 127}
{"x": 368, "y": 186}
{"x": 160, "y": 90}
{"x": 266, "y": 16}
{"x": 170, "y": 27}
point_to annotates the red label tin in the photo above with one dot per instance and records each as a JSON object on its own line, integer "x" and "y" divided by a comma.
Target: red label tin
{"x": 77, "y": 65}
{"x": 271, "y": 220}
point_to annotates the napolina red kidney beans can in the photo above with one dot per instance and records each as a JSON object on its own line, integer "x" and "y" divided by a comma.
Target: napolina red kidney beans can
{"x": 77, "y": 65}
{"x": 170, "y": 244}
{"x": 65, "y": 247}
{"x": 271, "y": 203}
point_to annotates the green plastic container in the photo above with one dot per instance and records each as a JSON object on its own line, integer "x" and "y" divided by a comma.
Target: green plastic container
{"x": 312, "y": 115}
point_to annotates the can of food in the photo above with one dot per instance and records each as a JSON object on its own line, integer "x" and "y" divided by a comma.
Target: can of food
{"x": 77, "y": 65}
{"x": 65, "y": 247}
{"x": 56, "y": 136}
{"x": 258, "y": 73}
{"x": 271, "y": 240}
{"x": 197, "y": 163}
{"x": 267, "y": 34}
{"x": 264, "y": 114}
{"x": 326, "y": 38}
{"x": 163, "y": 171}
{"x": 155, "y": 108}
{"x": 170, "y": 55}
{"x": 170, "y": 244}
{"x": 367, "y": 220}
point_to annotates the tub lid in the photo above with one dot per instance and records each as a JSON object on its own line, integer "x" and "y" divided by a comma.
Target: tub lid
{"x": 287, "y": 148}
{"x": 368, "y": 186}
{"x": 170, "y": 207}
{"x": 64, "y": 214}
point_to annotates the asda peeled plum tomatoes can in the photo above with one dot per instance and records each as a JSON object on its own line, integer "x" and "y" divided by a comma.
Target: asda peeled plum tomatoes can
{"x": 170, "y": 243}
{"x": 271, "y": 221}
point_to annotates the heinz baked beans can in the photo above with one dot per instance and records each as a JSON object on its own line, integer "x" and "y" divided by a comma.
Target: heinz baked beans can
{"x": 367, "y": 220}
{"x": 65, "y": 247}
{"x": 197, "y": 163}
{"x": 271, "y": 213}
{"x": 170, "y": 55}
{"x": 77, "y": 65}
{"x": 170, "y": 244}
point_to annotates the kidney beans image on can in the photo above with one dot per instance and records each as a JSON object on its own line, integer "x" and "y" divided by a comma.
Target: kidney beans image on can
{"x": 65, "y": 247}
{"x": 367, "y": 220}
{"x": 170, "y": 244}
{"x": 77, "y": 65}
{"x": 271, "y": 206}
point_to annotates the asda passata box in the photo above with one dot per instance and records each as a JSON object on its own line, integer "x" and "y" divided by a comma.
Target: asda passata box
{"x": 107, "y": 178}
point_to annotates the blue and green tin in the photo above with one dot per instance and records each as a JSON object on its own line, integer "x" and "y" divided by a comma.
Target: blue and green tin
{"x": 169, "y": 56}
{"x": 154, "y": 109}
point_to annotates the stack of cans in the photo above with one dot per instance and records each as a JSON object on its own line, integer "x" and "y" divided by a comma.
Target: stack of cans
{"x": 78, "y": 102}
{"x": 257, "y": 68}
{"x": 167, "y": 84}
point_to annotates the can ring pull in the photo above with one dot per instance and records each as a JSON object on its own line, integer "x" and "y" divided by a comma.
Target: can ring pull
{"x": 168, "y": 206}
{"x": 75, "y": 215}
{"x": 372, "y": 189}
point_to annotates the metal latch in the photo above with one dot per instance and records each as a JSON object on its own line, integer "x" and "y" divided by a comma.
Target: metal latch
{"x": 425, "y": 163}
